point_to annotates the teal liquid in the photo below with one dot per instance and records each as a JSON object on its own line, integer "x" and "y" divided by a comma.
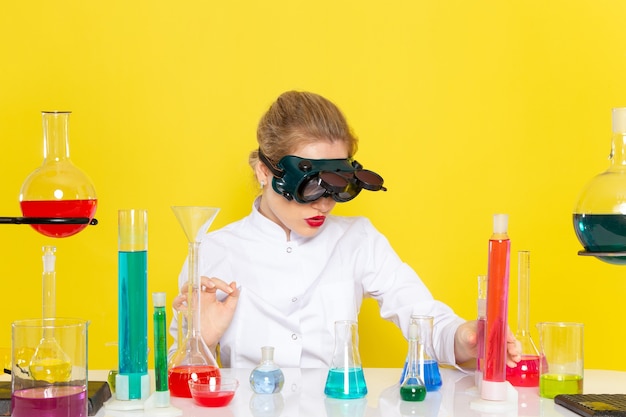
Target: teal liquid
{"x": 550, "y": 385}
{"x": 345, "y": 383}
{"x": 133, "y": 318}
{"x": 602, "y": 233}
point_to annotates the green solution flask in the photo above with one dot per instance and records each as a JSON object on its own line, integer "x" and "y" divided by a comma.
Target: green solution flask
{"x": 345, "y": 377}
{"x": 412, "y": 387}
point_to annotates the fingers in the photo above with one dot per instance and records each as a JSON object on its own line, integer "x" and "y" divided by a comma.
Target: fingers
{"x": 210, "y": 285}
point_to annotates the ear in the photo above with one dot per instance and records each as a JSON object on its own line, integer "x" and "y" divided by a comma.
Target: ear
{"x": 263, "y": 174}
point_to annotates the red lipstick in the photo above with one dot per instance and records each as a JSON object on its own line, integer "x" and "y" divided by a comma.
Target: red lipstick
{"x": 316, "y": 221}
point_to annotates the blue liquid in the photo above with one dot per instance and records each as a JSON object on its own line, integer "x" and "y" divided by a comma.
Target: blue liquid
{"x": 267, "y": 382}
{"x": 133, "y": 318}
{"x": 345, "y": 383}
{"x": 602, "y": 233}
{"x": 430, "y": 374}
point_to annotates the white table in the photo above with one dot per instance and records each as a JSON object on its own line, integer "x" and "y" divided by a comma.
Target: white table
{"x": 303, "y": 396}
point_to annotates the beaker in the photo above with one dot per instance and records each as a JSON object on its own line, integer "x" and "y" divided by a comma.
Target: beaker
{"x": 600, "y": 212}
{"x": 58, "y": 189}
{"x": 526, "y": 373}
{"x": 32, "y": 396}
{"x": 345, "y": 378}
{"x": 193, "y": 356}
{"x": 562, "y": 364}
{"x": 132, "y": 381}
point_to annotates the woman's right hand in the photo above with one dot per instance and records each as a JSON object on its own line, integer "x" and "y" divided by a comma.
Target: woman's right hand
{"x": 215, "y": 315}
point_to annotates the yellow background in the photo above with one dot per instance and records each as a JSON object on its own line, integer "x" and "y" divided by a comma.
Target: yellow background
{"x": 467, "y": 108}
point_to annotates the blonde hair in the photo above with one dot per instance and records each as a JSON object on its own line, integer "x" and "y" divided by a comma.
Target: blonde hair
{"x": 297, "y": 118}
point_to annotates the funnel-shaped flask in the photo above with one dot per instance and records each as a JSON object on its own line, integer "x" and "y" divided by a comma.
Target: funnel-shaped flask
{"x": 58, "y": 189}
{"x": 193, "y": 356}
{"x": 345, "y": 378}
{"x": 600, "y": 213}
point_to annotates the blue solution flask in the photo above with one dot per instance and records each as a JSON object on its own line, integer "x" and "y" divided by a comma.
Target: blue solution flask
{"x": 428, "y": 367}
{"x": 345, "y": 378}
{"x": 267, "y": 377}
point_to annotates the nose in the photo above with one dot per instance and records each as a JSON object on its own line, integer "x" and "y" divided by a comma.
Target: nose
{"x": 324, "y": 204}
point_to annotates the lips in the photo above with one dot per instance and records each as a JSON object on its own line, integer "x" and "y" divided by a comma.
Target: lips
{"x": 316, "y": 221}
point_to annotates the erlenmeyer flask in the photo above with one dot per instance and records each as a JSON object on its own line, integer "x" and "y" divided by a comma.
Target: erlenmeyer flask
{"x": 193, "y": 356}
{"x": 526, "y": 373}
{"x": 57, "y": 189}
{"x": 345, "y": 377}
{"x": 600, "y": 213}
{"x": 412, "y": 387}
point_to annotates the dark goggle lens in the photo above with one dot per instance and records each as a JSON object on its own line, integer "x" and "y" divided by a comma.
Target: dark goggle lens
{"x": 328, "y": 184}
{"x": 369, "y": 180}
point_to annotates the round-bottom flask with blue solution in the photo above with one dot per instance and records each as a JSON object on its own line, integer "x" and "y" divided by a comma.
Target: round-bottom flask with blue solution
{"x": 267, "y": 377}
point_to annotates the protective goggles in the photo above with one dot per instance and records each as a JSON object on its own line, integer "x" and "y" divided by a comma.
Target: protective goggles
{"x": 306, "y": 180}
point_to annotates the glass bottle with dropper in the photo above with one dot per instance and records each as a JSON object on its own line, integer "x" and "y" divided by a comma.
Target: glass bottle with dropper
{"x": 526, "y": 374}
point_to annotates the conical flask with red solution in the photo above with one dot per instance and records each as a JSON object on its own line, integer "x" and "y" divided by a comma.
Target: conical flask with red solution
{"x": 58, "y": 190}
{"x": 193, "y": 358}
{"x": 526, "y": 373}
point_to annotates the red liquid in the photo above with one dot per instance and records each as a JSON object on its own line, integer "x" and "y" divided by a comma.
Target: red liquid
{"x": 214, "y": 399}
{"x": 50, "y": 402}
{"x": 59, "y": 208}
{"x": 179, "y": 376}
{"x": 497, "y": 296}
{"x": 526, "y": 374}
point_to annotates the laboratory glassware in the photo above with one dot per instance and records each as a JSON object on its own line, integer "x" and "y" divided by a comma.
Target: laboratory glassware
{"x": 49, "y": 363}
{"x": 428, "y": 367}
{"x": 562, "y": 363}
{"x": 132, "y": 381}
{"x": 526, "y": 373}
{"x": 493, "y": 386}
{"x": 267, "y": 377}
{"x": 193, "y": 356}
{"x": 162, "y": 391}
{"x": 52, "y": 398}
{"x": 345, "y": 378}
{"x": 480, "y": 329}
{"x": 412, "y": 388}
{"x": 58, "y": 192}
{"x": 600, "y": 211}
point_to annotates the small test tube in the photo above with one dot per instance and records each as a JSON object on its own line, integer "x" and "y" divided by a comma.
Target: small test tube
{"x": 162, "y": 392}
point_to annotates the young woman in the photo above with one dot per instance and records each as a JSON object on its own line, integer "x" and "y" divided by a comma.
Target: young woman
{"x": 285, "y": 273}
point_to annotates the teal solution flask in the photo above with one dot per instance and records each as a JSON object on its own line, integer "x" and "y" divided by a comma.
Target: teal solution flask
{"x": 600, "y": 212}
{"x": 345, "y": 378}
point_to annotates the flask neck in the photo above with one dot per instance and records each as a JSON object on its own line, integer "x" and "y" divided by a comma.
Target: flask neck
{"x": 56, "y": 146}
{"x": 618, "y": 151}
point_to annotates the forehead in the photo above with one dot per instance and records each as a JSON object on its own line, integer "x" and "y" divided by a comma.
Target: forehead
{"x": 322, "y": 150}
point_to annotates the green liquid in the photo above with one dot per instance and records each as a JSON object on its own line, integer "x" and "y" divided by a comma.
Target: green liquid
{"x": 551, "y": 385}
{"x": 413, "y": 392}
